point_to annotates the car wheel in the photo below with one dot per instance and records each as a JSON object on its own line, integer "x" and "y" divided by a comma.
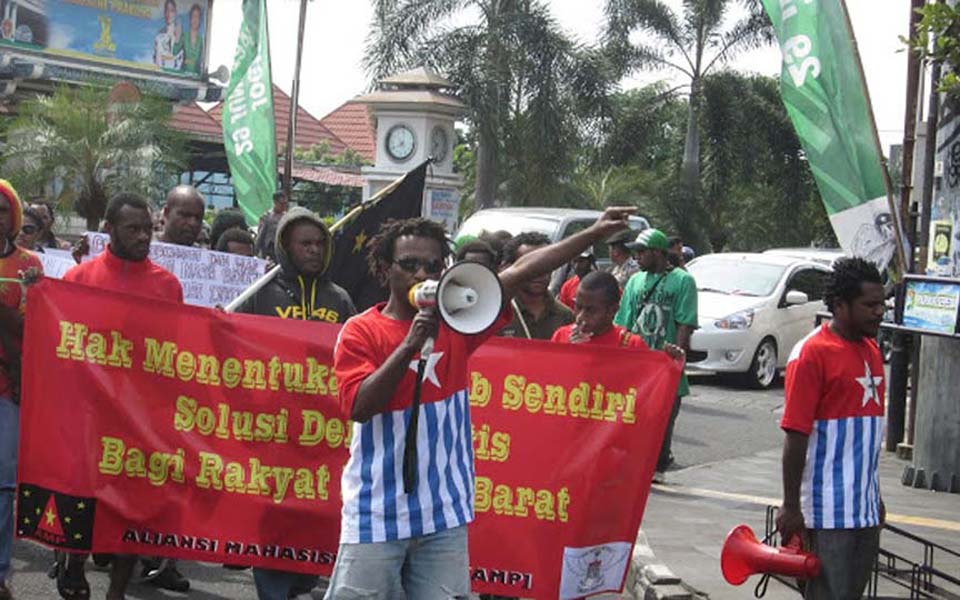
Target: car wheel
{"x": 763, "y": 368}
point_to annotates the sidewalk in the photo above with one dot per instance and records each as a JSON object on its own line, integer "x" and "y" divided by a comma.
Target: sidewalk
{"x": 687, "y": 519}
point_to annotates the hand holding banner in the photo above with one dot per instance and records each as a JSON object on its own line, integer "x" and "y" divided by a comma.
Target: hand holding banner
{"x": 179, "y": 431}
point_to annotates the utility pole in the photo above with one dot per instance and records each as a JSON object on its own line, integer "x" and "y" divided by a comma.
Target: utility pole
{"x": 902, "y": 342}
{"x": 294, "y": 103}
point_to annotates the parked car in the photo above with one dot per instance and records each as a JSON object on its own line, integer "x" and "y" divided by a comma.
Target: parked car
{"x": 555, "y": 223}
{"x": 753, "y": 309}
{"x": 824, "y": 256}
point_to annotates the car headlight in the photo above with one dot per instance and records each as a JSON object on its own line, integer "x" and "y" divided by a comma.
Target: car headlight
{"x": 738, "y": 320}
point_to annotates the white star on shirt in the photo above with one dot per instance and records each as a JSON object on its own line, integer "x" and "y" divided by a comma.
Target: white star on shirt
{"x": 870, "y": 385}
{"x": 430, "y": 369}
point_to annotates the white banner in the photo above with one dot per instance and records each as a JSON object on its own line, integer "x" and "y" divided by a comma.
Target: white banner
{"x": 56, "y": 262}
{"x": 208, "y": 277}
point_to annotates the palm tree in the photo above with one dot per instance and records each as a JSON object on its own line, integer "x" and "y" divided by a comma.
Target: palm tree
{"x": 758, "y": 188}
{"x": 92, "y": 149}
{"x": 522, "y": 78}
{"x": 691, "y": 44}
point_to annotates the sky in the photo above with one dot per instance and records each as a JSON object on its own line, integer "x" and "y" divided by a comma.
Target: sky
{"x": 336, "y": 31}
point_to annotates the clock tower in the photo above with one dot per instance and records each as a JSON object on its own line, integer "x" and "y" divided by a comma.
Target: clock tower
{"x": 415, "y": 112}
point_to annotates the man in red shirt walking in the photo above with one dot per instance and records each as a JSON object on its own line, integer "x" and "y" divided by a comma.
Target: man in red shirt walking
{"x": 123, "y": 267}
{"x": 833, "y": 420}
{"x": 582, "y": 265}
{"x": 15, "y": 262}
{"x": 405, "y": 535}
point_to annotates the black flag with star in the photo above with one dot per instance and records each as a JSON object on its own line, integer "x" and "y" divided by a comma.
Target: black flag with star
{"x": 55, "y": 519}
{"x": 403, "y": 199}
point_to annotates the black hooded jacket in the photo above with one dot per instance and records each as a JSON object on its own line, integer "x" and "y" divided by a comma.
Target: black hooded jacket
{"x": 291, "y": 295}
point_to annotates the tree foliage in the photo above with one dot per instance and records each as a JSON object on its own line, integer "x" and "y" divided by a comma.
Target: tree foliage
{"x": 532, "y": 92}
{"x": 937, "y": 38}
{"x": 322, "y": 154}
{"x": 692, "y": 44}
{"x": 91, "y": 149}
{"x": 757, "y": 190}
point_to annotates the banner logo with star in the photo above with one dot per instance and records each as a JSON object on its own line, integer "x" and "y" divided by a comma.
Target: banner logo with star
{"x": 53, "y": 518}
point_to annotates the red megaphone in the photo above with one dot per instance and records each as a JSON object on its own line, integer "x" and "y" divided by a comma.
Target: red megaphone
{"x": 743, "y": 556}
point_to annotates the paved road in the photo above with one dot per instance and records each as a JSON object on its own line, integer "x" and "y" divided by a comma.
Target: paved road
{"x": 721, "y": 420}
{"x": 727, "y": 445}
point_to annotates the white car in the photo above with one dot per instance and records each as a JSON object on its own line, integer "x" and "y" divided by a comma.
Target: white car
{"x": 753, "y": 309}
{"x": 824, "y": 256}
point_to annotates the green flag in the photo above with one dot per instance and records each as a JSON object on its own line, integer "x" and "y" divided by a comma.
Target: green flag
{"x": 248, "y": 128}
{"x": 824, "y": 93}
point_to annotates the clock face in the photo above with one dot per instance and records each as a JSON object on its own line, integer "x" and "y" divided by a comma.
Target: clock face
{"x": 400, "y": 142}
{"x": 438, "y": 143}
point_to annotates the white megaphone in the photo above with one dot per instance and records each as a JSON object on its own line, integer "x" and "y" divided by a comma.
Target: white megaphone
{"x": 468, "y": 296}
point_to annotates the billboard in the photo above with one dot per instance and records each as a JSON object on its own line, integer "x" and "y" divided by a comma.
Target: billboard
{"x": 165, "y": 36}
{"x": 931, "y": 306}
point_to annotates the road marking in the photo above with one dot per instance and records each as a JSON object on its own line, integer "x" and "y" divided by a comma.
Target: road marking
{"x": 765, "y": 501}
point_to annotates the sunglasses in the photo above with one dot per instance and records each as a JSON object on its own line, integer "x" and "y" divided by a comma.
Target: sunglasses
{"x": 29, "y": 229}
{"x": 411, "y": 265}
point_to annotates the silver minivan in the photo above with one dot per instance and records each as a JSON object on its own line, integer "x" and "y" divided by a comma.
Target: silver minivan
{"x": 555, "y": 223}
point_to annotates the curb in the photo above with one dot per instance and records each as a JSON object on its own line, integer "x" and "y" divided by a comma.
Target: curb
{"x": 651, "y": 579}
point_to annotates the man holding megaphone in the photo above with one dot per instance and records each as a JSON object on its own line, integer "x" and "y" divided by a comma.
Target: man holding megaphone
{"x": 833, "y": 419}
{"x": 401, "y": 368}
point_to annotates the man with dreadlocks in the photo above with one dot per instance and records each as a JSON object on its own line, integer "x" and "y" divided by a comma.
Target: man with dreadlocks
{"x": 833, "y": 419}
{"x": 393, "y": 542}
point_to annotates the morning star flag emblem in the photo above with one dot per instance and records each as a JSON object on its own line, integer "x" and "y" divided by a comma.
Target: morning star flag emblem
{"x": 825, "y": 96}
{"x": 402, "y": 199}
{"x": 248, "y": 127}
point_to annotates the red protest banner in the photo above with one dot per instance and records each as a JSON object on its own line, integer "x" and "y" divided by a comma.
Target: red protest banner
{"x": 566, "y": 439}
{"x": 180, "y": 431}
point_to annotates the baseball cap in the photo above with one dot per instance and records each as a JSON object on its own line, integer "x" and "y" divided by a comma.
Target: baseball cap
{"x": 622, "y": 237}
{"x": 650, "y": 238}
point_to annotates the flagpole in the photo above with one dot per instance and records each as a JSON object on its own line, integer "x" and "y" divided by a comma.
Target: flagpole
{"x": 887, "y": 183}
{"x": 269, "y": 275}
{"x": 294, "y": 104}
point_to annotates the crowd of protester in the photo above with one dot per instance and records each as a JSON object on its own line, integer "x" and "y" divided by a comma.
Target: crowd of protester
{"x": 645, "y": 300}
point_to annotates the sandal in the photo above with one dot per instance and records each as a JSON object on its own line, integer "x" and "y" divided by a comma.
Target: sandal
{"x": 72, "y": 582}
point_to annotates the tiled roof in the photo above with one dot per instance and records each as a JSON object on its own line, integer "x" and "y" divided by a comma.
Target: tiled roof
{"x": 310, "y": 131}
{"x": 351, "y": 123}
{"x": 324, "y": 175}
{"x": 196, "y": 122}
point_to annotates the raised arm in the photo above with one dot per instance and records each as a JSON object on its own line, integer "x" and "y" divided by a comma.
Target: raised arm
{"x": 546, "y": 259}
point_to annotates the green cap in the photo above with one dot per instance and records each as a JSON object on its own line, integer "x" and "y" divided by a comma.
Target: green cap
{"x": 463, "y": 240}
{"x": 650, "y": 238}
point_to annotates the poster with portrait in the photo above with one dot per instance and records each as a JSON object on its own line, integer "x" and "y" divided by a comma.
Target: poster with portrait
{"x": 168, "y": 36}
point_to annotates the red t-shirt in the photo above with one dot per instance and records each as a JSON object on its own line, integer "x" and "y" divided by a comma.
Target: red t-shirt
{"x": 568, "y": 291}
{"x": 829, "y": 377}
{"x": 367, "y": 339}
{"x": 615, "y": 336}
{"x": 12, "y": 295}
{"x": 834, "y": 394}
{"x": 376, "y": 506}
{"x": 139, "y": 278}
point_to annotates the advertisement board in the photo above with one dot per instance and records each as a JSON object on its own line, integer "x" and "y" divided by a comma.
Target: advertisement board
{"x": 931, "y": 306}
{"x": 166, "y": 36}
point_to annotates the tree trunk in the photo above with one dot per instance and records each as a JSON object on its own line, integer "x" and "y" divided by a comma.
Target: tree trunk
{"x": 690, "y": 168}
{"x": 486, "y": 184}
{"x": 693, "y": 223}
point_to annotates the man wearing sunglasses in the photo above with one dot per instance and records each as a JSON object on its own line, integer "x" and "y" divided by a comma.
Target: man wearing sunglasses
{"x": 393, "y": 542}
